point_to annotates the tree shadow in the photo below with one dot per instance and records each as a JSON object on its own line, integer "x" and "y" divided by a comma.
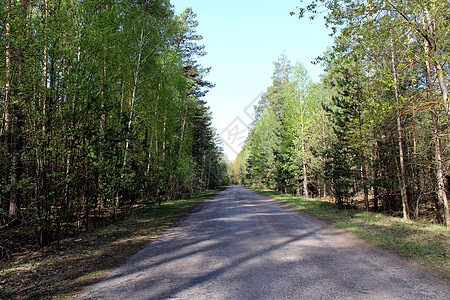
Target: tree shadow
{"x": 246, "y": 246}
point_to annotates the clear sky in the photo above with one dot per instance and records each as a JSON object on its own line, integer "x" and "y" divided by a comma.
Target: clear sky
{"x": 243, "y": 38}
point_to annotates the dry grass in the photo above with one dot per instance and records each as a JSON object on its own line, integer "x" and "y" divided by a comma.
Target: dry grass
{"x": 421, "y": 242}
{"x": 61, "y": 271}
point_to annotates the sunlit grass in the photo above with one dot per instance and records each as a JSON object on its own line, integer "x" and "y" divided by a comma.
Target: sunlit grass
{"x": 61, "y": 272}
{"x": 425, "y": 243}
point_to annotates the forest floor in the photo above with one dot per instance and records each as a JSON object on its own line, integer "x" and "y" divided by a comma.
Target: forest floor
{"x": 61, "y": 269}
{"x": 420, "y": 242}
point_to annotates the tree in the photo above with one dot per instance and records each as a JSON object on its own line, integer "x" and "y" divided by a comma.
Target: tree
{"x": 101, "y": 109}
{"x": 404, "y": 63}
{"x": 261, "y": 164}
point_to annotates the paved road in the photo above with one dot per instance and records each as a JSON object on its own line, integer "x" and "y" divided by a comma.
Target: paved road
{"x": 242, "y": 245}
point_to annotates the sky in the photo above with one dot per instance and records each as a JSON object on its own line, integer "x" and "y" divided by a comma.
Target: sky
{"x": 243, "y": 38}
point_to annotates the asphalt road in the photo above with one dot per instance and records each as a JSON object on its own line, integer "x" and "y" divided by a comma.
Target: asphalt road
{"x": 243, "y": 245}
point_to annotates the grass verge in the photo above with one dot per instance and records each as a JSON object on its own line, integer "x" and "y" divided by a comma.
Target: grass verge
{"x": 60, "y": 271}
{"x": 424, "y": 243}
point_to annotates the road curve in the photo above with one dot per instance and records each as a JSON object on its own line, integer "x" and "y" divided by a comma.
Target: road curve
{"x": 243, "y": 245}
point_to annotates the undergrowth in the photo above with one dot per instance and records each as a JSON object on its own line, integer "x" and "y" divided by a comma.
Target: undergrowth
{"x": 60, "y": 271}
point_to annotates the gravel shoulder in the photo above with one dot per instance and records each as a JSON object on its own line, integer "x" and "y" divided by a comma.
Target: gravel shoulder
{"x": 244, "y": 245}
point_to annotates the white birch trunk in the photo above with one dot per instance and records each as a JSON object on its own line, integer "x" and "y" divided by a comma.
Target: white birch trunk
{"x": 133, "y": 101}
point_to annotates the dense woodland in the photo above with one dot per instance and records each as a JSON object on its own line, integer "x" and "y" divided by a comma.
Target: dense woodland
{"x": 100, "y": 109}
{"x": 376, "y": 128}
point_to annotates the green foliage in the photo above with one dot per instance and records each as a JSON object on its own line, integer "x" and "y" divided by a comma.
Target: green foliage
{"x": 277, "y": 153}
{"x": 398, "y": 70}
{"x": 102, "y": 108}
{"x": 375, "y": 125}
{"x": 261, "y": 168}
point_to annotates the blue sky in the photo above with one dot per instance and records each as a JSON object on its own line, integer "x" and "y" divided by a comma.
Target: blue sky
{"x": 243, "y": 38}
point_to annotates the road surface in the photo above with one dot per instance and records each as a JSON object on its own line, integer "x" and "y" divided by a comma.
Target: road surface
{"x": 243, "y": 245}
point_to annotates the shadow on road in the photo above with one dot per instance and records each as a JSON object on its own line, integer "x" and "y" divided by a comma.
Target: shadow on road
{"x": 243, "y": 245}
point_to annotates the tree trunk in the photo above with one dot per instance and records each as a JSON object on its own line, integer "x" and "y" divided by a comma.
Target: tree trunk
{"x": 17, "y": 124}
{"x": 133, "y": 101}
{"x": 183, "y": 124}
{"x": 402, "y": 173}
{"x": 441, "y": 189}
{"x": 305, "y": 175}
{"x": 364, "y": 180}
{"x": 442, "y": 195}
{"x": 305, "y": 181}
{"x": 16, "y": 166}
{"x": 375, "y": 173}
{"x": 5, "y": 126}
{"x": 431, "y": 48}
{"x": 324, "y": 147}
{"x": 164, "y": 138}
{"x": 362, "y": 156}
{"x": 375, "y": 140}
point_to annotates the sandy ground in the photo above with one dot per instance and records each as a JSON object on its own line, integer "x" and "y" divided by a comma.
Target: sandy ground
{"x": 243, "y": 245}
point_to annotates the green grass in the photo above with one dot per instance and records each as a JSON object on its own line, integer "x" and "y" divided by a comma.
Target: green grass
{"x": 424, "y": 243}
{"x": 60, "y": 272}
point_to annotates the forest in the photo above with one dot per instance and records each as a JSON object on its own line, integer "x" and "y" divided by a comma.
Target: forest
{"x": 375, "y": 129}
{"x": 101, "y": 109}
